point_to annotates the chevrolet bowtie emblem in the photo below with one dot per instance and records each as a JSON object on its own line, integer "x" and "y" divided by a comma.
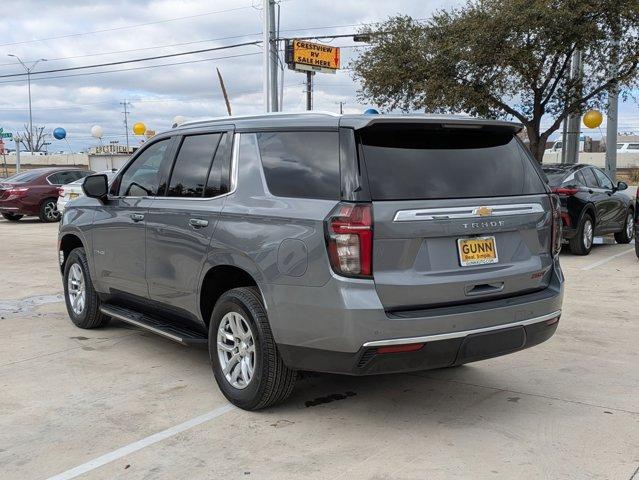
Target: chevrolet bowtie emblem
{"x": 483, "y": 211}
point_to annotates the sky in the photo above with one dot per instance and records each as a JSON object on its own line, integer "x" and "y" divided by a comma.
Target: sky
{"x": 70, "y": 33}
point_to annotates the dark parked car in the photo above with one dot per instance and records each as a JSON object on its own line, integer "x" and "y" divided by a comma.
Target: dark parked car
{"x": 354, "y": 244}
{"x": 590, "y": 205}
{"x": 35, "y": 192}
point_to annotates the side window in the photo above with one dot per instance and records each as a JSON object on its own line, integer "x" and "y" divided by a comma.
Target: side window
{"x": 589, "y": 176}
{"x": 633, "y": 146}
{"x": 219, "y": 181}
{"x": 301, "y": 164}
{"x": 142, "y": 177}
{"x": 192, "y": 165}
{"x": 604, "y": 181}
{"x": 54, "y": 179}
{"x": 62, "y": 178}
{"x": 579, "y": 179}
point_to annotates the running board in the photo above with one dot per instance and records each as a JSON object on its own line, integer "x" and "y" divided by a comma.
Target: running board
{"x": 174, "y": 332}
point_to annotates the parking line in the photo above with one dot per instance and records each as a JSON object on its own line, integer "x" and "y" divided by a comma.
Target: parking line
{"x": 140, "y": 444}
{"x": 606, "y": 260}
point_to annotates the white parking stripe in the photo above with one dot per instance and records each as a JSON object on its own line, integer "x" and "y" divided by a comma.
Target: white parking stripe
{"x": 140, "y": 444}
{"x": 606, "y": 260}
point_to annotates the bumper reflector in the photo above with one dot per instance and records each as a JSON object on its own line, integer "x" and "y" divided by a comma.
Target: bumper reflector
{"x": 552, "y": 321}
{"x": 410, "y": 347}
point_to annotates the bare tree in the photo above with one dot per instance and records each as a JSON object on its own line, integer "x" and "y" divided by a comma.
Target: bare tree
{"x": 39, "y": 138}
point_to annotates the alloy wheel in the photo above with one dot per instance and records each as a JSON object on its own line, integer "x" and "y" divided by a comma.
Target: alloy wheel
{"x": 630, "y": 226}
{"x": 51, "y": 211}
{"x": 588, "y": 234}
{"x": 76, "y": 289}
{"x": 236, "y": 350}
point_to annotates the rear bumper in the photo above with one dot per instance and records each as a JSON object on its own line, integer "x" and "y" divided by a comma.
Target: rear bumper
{"x": 17, "y": 207}
{"x": 437, "y": 353}
{"x": 330, "y": 328}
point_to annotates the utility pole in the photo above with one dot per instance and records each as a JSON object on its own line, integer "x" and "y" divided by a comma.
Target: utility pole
{"x": 270, "y": 57}
{"x": 574, "y": 120}
{"x": 18, "y": 140}
{"x": 29, "y": 70}
{"x": 309, "y": 90}
{"x": 613, "y": 114}
{"x": 125, "y": 104}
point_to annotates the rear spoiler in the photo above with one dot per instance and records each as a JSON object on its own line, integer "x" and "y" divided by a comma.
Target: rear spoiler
{"x": 358, "y": 122}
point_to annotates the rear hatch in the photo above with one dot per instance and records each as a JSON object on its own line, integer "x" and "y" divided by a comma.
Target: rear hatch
{"x": 461, "y": 214}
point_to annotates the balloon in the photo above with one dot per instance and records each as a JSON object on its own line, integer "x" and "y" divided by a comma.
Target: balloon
{"x": 593, "y": 118}
{"x": 59, "y": 133}
{"x": 97, "y": 131}
{"x": 139, "y": 128}
{"x": 371, "y": 111}
{"x": 178, "y": 120}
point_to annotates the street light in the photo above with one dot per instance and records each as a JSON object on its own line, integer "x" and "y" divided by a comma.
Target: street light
{"x": 29, "y": 70}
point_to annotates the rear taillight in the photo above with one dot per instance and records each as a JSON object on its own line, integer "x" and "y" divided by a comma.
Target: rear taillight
{"x": 349, "y": 239}
{"x": 17, "y": 191}
{"x": 568, "y": 191}
{"x": 555, "y": 240}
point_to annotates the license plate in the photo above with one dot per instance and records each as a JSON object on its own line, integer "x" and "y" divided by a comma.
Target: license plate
{"x": 477, "y": 251}
{"x": 73, "y": 195}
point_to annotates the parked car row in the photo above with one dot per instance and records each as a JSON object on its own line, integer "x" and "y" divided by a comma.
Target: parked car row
{"x": 35, "y": 192}
{"x": 590, "y": 205}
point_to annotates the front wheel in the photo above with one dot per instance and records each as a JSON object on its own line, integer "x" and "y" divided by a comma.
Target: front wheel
{"x": 12, "y": 217}
{"x": 83, "y": 303}
{"x": 49, "y": 210}
{"x": 244, "y": 356}
{"x": 581, "y": 243}
{"x": 625, "y": 236}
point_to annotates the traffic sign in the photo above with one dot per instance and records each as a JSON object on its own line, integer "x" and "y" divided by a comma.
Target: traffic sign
{"x": 310, "y": 56}
{"x": 4, "y": 134}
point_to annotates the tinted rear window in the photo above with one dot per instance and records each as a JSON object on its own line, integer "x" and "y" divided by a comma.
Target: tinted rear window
{"x": 554, "y": 175}
{"x": 23, "y": 177}
{"x": 410, "y": 163}
{"x": 301, "y": 164}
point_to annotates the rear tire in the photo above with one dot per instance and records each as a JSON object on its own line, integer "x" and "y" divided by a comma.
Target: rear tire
{"x": 49, "y": 210}
{"x": 83, "y": 303}
{"x": 581, "y": 243}
{"x": 244, "y": 356}
{"x": 12, "y": 217}
{"x": 625, "y": 236}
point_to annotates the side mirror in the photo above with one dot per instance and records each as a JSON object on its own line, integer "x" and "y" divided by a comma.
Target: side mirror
{"x": 96, "y": 186}
{"x": 622, "y": 186}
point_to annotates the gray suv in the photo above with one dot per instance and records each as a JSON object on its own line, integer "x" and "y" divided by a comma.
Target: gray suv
{"x": 353, "y": 244}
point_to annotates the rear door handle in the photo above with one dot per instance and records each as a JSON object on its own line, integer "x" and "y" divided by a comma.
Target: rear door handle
{"x": 198, "y": 223}
{"x": 137, "y": 217}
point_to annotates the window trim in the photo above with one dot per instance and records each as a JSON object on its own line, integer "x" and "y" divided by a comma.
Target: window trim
{"x": 117, "y": 179}
{"x": 235, "y": 151}
{"x": 601, "y": 187}
{"x": 58, "y": 172}
{"x": 181, "y": 139}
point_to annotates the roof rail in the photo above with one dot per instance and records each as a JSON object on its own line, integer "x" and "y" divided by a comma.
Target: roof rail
{"x": 256, "y": 116}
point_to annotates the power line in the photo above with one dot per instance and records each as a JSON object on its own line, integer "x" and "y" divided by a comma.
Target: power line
{"x": 126, "y": 27}
{"x": 138, "y": 49}
{"x": 135, "y": 60}
{"x": 134, "y": 68}
{"x": 151, "y": 66}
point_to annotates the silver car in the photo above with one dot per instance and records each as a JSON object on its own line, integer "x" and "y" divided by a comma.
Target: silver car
{"x": 354, "y": 244}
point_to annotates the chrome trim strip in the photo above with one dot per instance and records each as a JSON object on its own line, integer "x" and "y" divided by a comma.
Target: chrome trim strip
{"x": 447, "y": 213}
{"x": 465, "y": 333}
{"x": 132, "y": 321}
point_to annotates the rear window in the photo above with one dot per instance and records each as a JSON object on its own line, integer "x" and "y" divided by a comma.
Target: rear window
{"x": 417, "y": 162}
{"x": 23, "y": 177}
{"x": 301, "y": 164}
{"x": 554, "y": 175}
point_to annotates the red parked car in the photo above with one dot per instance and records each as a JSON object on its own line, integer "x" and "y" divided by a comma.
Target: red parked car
{"x": 35, "y": 192}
